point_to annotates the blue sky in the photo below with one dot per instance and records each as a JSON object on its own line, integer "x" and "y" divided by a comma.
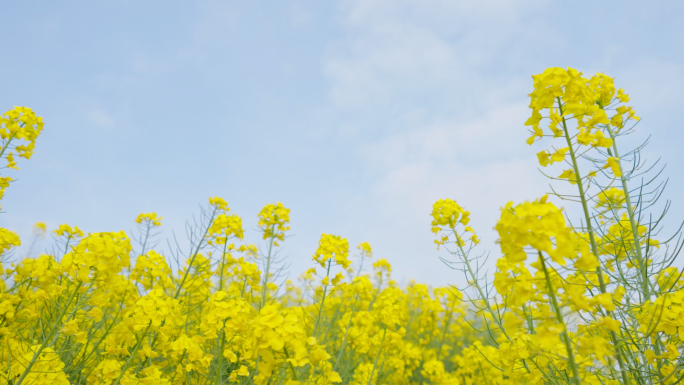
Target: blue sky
{"x": 357, "y": 115}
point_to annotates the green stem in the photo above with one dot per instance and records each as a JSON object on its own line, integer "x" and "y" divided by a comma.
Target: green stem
{"x": 580, "y": 187}
{"x": 292, "y": 368}
{"x": 483, "y": 373}
{"x": 344, "y": 340}
{"x": 132, "y": 356}
{"x": 264, "y": 288}
{"x": 485, "y": 299}
{"x": 66, "y": 246}
{"x": 446, "y": 328}
{"x": 637, "y": 248}
{"x": 194, "y": 255}
{"x": 325, "y": 292}
{"x": 592, "y": 239}
{"x": 6, "y": 146}
{"x": 104, "y": 335}
{"x": 220, "y": 358}
{"x": 375, "y": 363}
{"x": 48, "y": 339}
{"x": 561, "y": 321}
{"x": 223, "y": 264}
{"x": 147, "y": 236}
{"x": 635, "y": 234}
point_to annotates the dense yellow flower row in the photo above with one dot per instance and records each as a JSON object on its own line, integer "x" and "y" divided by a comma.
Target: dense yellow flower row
{"x": 110, "y": 323}
{"x": 590, "y": 302}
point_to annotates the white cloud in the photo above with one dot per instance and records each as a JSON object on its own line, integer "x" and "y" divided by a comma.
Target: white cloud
{"x": 300, "y": 13}
{"x": 399, "y": 60}
{"x": 482, "y": 140}
{"x": 437, "y": 12}
{"x": 100, "y": 119}
{"x": 481, "y": 164}
{"x": 450, "y": 128}
{"x": 400, "y": 64}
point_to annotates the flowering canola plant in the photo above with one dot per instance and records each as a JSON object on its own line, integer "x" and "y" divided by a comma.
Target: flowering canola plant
{"x": 578, "y": 296}
{"x": 597, "y": 301}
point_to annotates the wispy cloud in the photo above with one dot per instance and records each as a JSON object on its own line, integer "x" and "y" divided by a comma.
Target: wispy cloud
{"x": 100, "y": 119}
{"x": 438, "y": 124}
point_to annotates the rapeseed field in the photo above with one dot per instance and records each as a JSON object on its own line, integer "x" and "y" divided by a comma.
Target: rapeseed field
{"x": 595, "y": 301}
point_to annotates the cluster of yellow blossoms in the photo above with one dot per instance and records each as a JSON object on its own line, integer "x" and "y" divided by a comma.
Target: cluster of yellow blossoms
{"x": 102, "y": 321}
{"x": 19, "y": 128}
{"x": 592, "y": 302}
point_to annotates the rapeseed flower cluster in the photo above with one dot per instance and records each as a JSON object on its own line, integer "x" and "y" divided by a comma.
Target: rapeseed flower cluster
{"x": 577, "y": 296}
{"x": 586, "y": 302}
{"x": 274, "y": 220}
